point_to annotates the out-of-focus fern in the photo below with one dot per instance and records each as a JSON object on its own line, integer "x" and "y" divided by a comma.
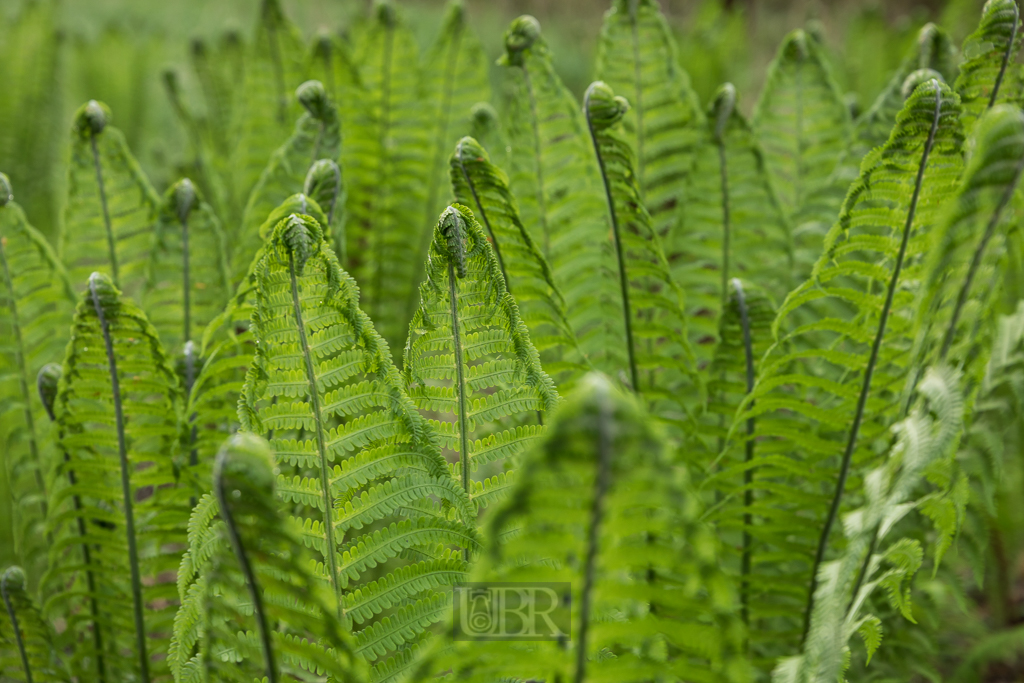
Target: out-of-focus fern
{"x": 481, "y": 185}
{"x": 987, "y": 73}
{"x": 324, "y": 186}
{"x": 486, "y": 128}
{"x": 375, "y": 498}
{"x": 27, "y": 652}
{"x": 187, "y": 283}
{"x": 601, "y": 507}
{"x": 37, "y": 300}
{"x": 111, "y": 207}
{"x": 117, "y": 413}
{"x": 637, "y": 57}
{"x": 731, "y": 225}
{"x": 804, "y": 127}
{"x": 386, "y": 183}
{"x": 469, "y": 359}
{"x": 835, "y": 377}
{"x": 250, "y": 606}
{"x": 645, "y": 325}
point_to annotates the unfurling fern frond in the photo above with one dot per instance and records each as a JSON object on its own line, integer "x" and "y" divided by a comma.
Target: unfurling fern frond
{"x": 455, "y": 76}
{"x": 317, "y": 136}
{"x": 645, "y": 328}
{"x": 386, "y": 188}
{"x": 324, "y": 186}
{"x": 117, "y": 413}
{"x": 36, "y": 300}
{"x": 637, "y": 57}
{"x": 988, "y": 74}
{"x": 250, "y": 604}
{"x": 479, "y": 184}
{"x": 923, "y": 443}
{"x": 601, "y": 512}
{"x": 555, "y": 179}
{"x": 485, "y": 127}
{"x": 111, "y": 207}
{"x": 841, "y": 359}
{"x": 187, "y": 283}
{"x": 469, "y": 359}
{"x": 361, "y": 468}
{"x": 804, "y": 127}
{"x": 731, "y": 225}
{"x": 27, "y": 652}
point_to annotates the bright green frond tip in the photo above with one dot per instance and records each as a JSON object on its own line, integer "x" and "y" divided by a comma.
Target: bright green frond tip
{"x": 469, "y": 360}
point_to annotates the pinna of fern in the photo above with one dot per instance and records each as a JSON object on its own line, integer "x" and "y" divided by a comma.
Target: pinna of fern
{"x": 111, "y": 207}
{"x": 250, "y": 606}
{"x": 987, "y": 74}
{"x": 361, "y": 469}
{"x": 117, "y": 411}
{"x": 469, "y": 359}
{"x": 36, "y": 300}
{"x": 600, "y": 508}
{"x": 835, "y": 376}
{"x": 645, "y": 311}
{"x": 481, "y": 185}
{"x": 27, "y": 652}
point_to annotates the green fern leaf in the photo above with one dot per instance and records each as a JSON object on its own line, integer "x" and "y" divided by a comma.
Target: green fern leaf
{"x": 117, "y": 415}
{"x": 27, "y": 652}
{"x": 323, "y": 388}
{"x": 637, "y": 57}
{"x": 111, "y": 207}
{"x": 248, "y": 587}
{"x": 987, "y": 73}
{"x": 469, "y": 359}
{"x": 479, "y": 184}
{"x": 37, "y": 301}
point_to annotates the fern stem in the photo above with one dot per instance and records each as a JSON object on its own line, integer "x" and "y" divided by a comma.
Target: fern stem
{"x": 602, "y": 479}
{"x": 126, "y": 488}
{"x": 876, "y": 345}
{"x": 748, "y": 476}
{"x": 111, "y": 243}
{"x": 461, "y": 385}
{"x": 321, "y": 441}
{"x": 481, "y": 212}
{"x": 542, "y": 210}
{"x": 623, "y": 278}
{"x": 1006, "y": 58}
{"x": 186, "y": 284}
{"x": 382, "y": 179}
{"x": 13, "y": 616}
{"x": 246, "y": 566}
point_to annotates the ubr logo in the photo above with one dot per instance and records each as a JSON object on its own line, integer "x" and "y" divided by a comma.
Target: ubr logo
{"x": 511, "y": 611}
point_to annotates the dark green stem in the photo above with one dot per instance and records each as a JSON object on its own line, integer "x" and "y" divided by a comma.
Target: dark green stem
{"x": 460, "y": 380}
{"x": 111, "y": 241}
{"x": 482, "y": 214}
{"x": 748, "y": 475}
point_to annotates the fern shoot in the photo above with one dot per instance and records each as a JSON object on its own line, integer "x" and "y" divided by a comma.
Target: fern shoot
{"x": 27, "y": 652}
{"x": 469, "y": 359}
{"x": 324, "y": 186}
{"x": 989, "y": 54}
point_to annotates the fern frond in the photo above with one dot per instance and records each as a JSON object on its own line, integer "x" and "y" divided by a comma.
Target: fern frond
{"x": 479, "y": 184}
{"x": 249, "y": 588}
{"x": 599, "y": 507}
{"x": 111, "y": 207}
{"x": 324, "y": 186}
{"x": 637, "y": 57}
{"x": 645, "y": 314}
{"x": 804, "y": 127}
{"x": 485, "y": 127}
{"x": 987, "y": 73}
{"x": 37, "y": 300}
{"x": 117, "y": 412}
{"x": 469, "y": 359}
{"x": 841, "y": 357}
{"x": 323, "y": 388}
{"x": 27, "y": 652}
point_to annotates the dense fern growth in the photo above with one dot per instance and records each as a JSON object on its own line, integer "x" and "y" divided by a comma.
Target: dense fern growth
{"x": 37, "y": 300}
{"x": 988, "y": 74}
{"x": 645, "y": 332}
{"x": 637, "y": 58}
{"x": 804, "y": 127}
{"x": 829, "y": 387}
{"x": 732, "y": 224}
{"x": 27, "y": 652}
{"x": 117, "y": 413}
{"x": 187, "y": 283}
{"x": 246, "y": 586}
{"x": 600, "y": 506}
{"x": 111, "y": 207}
{"x": 368, "y": 473}
{"x": 482, "y": 186}
{"x": 317, "y": 136}
{"x": 469, "y": 359}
